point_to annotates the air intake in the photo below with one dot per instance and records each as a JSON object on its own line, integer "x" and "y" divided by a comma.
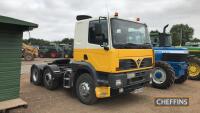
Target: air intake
{"x": 82, "y": 17}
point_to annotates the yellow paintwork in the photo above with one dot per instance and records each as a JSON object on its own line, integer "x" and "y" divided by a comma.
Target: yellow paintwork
{"x": 108, "y": 61}
{"x": 194, "y": 69}
{"x": 102, "y": 92}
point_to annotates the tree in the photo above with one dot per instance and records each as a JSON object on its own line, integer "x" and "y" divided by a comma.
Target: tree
{"x": 181, "y": 33}
{"x": 195, "y": 40}
{"x": 34, "y": 41}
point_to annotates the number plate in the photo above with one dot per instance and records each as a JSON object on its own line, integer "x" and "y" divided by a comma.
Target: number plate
{"x": 130, "y": 75}
{"x": 139, "y": 90}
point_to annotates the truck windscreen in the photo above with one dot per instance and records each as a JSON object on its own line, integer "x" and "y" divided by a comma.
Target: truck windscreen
{"x": 128, "y": 34}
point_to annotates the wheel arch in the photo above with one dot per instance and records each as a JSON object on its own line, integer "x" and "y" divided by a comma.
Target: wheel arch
{"x": 83, "y": 67}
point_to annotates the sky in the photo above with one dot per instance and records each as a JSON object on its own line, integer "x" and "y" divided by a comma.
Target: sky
{"x": 56, "y": 18}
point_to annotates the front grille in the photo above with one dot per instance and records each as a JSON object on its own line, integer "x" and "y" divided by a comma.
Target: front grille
{"x": 126, "y": 64}
{"x": 146, "y": 62}
{"x": 174, "y": 57}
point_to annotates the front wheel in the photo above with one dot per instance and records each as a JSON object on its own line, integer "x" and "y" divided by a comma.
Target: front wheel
{"x": 163, "y": 76}
{"x": 194, "y": 69}
{"x": 85, "y": 89}
{"x": 28, "y": 57}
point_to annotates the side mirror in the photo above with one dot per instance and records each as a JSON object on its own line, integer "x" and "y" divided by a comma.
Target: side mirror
{"x": 98, "y": 29}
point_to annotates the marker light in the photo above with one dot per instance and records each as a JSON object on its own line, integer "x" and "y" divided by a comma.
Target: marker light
{"x": 116, "y": 13}
{"x": 137, "y": 19}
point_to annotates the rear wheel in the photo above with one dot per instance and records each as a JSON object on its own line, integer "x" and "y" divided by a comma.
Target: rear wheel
{"x": 49, "y": 80}
{"x": 194, "y": 68}
{"x": 85, "y": 89}
{"x": 28, "y": 57}
{"x": 163, "y": 76}
{"x": 35, "y": 78}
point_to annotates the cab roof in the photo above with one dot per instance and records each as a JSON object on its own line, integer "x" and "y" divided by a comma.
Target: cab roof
{"x": 26, "y": 25}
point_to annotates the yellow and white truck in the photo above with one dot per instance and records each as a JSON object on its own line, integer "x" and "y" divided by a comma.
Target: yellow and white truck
{"x": 111, "y": 56}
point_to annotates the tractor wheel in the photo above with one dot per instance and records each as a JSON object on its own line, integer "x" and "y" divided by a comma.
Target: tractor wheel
{"x": 49, "y": 80}
{"x": 163, "y": 75}
{"x": 28, "y": 57}
{"x": 36, "y": 77}
{"x": 85, "y": 89}
{"x": 182, "y": 79}
{"x": 194, "y": 68}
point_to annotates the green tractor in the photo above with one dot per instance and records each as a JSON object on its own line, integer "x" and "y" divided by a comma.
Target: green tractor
{"x": 194, "y": 61}
{"x": 194, "y": 48}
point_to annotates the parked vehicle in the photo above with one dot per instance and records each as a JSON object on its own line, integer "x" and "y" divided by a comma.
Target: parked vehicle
{"x": 171, "y": 62}
{"x": 67, "y": 50}
{"x": 51, "y": 51}
{"x": 29, "y": 52}
{"x": 194, "y": 62}
{"x": 101, "y": 66}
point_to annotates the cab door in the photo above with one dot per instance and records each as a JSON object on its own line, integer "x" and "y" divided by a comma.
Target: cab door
{"x": 95, "y": 54}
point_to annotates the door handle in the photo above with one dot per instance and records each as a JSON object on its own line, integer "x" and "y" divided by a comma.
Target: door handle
{"x": 85, "y": 57}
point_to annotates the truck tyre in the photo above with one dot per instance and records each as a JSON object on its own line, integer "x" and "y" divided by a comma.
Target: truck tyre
{"x": 35, "y": 77}
{"x": 182, "y": 79}
{"x": 163, "y": 75}
{"x": 49, "y": 80}
{"x": 194, "y": 68}
{"x": 85, "y": 89}
{"x": 28, "y": 57}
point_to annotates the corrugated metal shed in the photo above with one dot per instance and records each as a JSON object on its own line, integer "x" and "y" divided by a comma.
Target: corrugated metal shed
{"x": 11, "y": 33}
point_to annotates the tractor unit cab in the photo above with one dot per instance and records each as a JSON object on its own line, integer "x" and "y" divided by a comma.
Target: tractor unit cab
{"x": 110, "y": 56}
{"x": 170, "y": 61}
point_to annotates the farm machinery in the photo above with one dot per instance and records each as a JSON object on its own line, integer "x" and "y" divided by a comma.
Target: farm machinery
{"x": 29, "y": 52}
{"x": 171, "y": 62}
{"x": 51, "y": 51}
{"x": 194, "y": 61}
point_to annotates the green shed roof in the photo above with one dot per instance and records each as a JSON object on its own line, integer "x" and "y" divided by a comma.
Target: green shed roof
{"x": 9, "y": 20}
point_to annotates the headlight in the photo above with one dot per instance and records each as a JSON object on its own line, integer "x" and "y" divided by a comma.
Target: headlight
{"x": 118, "y": 83}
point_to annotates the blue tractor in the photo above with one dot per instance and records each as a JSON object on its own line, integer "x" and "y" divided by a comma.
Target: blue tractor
{"x": 171, "y": 62}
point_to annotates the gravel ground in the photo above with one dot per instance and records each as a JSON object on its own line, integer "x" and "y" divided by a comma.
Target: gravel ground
{"x": 41, "y": 100}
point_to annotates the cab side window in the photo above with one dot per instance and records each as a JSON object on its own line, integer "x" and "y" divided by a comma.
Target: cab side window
{"x": 92, "y": 38}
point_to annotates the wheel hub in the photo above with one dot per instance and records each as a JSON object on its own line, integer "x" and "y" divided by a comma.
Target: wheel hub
{"x": 194, "y": 69}
{"x": 48, "y": 77}
{"x": 84, "y": 89}
{"x": 35, "y": 75}
{"x": 28, "y": 57}
{"x": 159, "y": 76}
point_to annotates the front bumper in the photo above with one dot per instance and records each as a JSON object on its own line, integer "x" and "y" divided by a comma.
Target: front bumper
{"x": 129, "y": 81}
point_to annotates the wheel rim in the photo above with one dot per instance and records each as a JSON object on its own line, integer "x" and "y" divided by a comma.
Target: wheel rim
{"x": 28, "y": 57}
{"x": 48, "y": 78}
{"x": 159, "y": 76}
{"x": 35, "y": 75}
{"x": 84, "y": 89}
{"x": 193, "y": 69}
